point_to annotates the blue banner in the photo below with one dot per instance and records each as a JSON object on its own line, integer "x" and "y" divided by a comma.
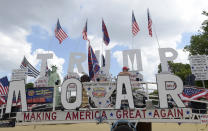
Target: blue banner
{"x": 39, "y": 95}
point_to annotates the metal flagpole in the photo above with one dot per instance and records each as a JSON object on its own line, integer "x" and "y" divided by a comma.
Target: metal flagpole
{"x": 132, "y": 66}
{"x": 132, "y": 38}
{"x": 103, "y": 37}
{"x": 154, "y": 27}
{"x": 102, "y": 47}
{"x": 156, "y": 35}
{"x": 132, "y": 41}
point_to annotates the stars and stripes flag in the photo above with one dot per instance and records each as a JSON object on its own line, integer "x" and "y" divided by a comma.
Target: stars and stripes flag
{"x": 92, "y": 63}
{"x": 193, "y": 93}
{"x": 135, "y": 27}
{"x": 31, "y": 71}
{"x": 149, "y": 23}
{"x": 4, "y": 86}
{"x": 106, "y": 38}
{"x": 84, "y": 32}
{"x": 59, "y": 33}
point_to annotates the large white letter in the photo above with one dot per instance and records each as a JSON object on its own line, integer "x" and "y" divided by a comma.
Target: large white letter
{"x": 106, "y": 68}
{"x": 124, "y": 81}
{"x": 44, "y": 58}
{"x": 16, "y": 87}
{"x": 131, "y": 54}
{"x": 78, "y": 101}
{"x": 164, "y": 59}
{"x": 73, "y": 60}
{"x": 169, "y": 85}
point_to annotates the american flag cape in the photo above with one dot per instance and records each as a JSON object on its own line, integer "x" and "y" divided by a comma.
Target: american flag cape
{"x": 106, "y": 38}
{"x": 92, "y": 63}
{"x": 149, "y": 23}
{"x": 193, "y": 93}
{"x": 135, "y": 27}
{"x": 59, "y": 33}
{"x": 31, "y": 71}
{"x": 84, "y": 32}
{"x": 4, "y": 86}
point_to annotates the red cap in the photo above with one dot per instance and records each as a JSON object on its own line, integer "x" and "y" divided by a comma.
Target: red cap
{"x": 125, "y": 68}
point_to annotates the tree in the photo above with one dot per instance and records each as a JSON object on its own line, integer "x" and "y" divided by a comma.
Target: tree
{"x": 183, "y": 71}
{"x": 29, "y": 85}
{"x": 199, "y": 42}
{"x": 179, "y": 69}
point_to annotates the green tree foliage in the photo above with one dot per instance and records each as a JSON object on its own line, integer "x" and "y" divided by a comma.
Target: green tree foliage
{"x": 155, "y": 92}
{"x": 183, "y": 71}
{"x": 29, "y": 85}
{"x": 179, "y": 69}
{"x": 199, "y": 42}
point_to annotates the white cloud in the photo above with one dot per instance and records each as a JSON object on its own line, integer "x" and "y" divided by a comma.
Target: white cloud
{"x": 182, "y": 56}
{"x": 13, "y": 50}
{"x": 119, "y": 57}
{"x": 172, "y": 17}
{"x": 57, "y": 61}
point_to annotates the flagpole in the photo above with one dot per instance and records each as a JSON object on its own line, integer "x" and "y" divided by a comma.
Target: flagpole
{"x": 132, "y": 48}
{"x": 156, "y": 35}
{"x": 103, "y": 37}
{"x": 132, "y": 37}
{"x": 132, "y": 41}
{"x": 102, "y": 46}
{"x": 49, "y": 45}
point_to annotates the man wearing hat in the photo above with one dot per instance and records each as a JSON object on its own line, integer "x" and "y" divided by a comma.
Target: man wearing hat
{"x": 125, "y": 71}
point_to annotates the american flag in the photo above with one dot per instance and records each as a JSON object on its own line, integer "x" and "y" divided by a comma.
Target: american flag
{"x": 92, "y": 63}
{"x": 60, "y": 34}
{"x": 106, "y": 38}
{"x": 193, "y": 93}
{"x": 84, "y": 32}
{"x": 149, "y": 23}
{"x": 31, "y": 71}
{"x": 135, "y": 27}
{"x": 4, "y": 86}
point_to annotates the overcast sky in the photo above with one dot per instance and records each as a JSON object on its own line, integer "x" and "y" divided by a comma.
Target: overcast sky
{"x": 27, "y": 28}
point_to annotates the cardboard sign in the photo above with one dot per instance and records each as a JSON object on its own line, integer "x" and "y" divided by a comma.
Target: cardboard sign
{"x": 41, "y": 82}
{"x": 19, "y": 74}
{"x": 170, "y": 85}
{"x": 199, "y": 66}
